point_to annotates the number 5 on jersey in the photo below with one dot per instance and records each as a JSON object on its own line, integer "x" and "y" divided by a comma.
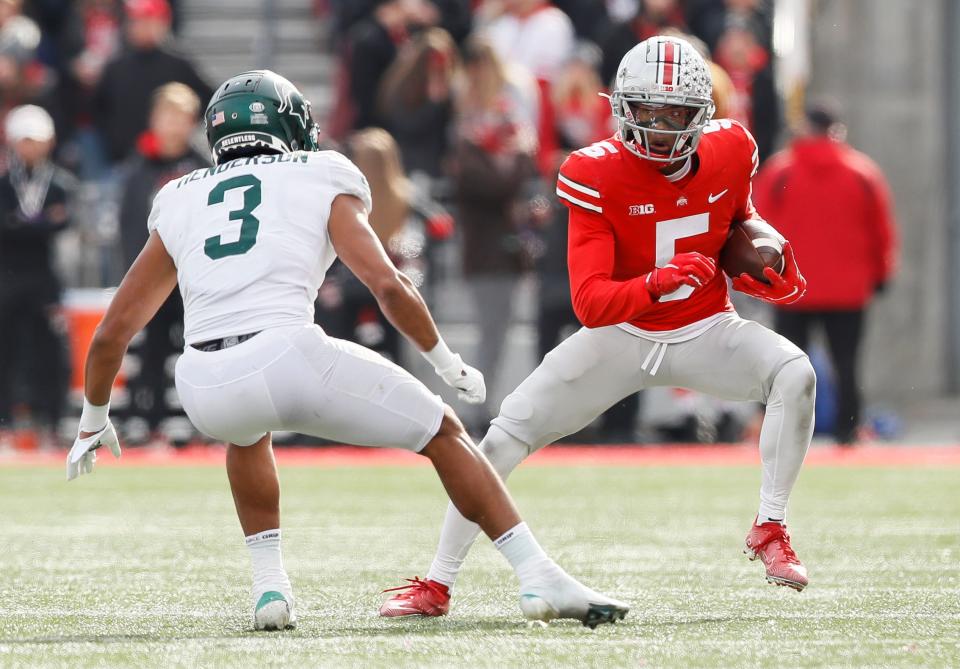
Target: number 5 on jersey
{"x": 668, "y": 232}
{"x": 213, "y": 247}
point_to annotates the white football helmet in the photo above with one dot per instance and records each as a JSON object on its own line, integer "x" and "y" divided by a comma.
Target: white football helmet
{"x": 660, "y": 72}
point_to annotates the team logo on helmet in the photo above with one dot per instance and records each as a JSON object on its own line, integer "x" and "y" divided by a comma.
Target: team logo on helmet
{"x": 285, "y": 91}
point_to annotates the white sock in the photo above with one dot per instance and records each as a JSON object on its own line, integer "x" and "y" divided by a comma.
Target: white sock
{"x": 785, "y": 436}
{"x": 267, "y": 561}
{"x": 458, "y": 534}
{"x": 456, "y": 538}
{"x": 523, "y": 553}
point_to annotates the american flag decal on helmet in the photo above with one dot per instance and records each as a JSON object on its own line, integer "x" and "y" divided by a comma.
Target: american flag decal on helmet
{"x": 668, "y": 63}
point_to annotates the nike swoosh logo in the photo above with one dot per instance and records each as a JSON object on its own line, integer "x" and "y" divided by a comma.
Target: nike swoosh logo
{"x": 711, "y": 198}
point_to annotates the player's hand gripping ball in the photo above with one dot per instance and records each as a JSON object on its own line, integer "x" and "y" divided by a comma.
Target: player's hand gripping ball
{"x": 751, "y": 247}
{"x": 779, "y": 288}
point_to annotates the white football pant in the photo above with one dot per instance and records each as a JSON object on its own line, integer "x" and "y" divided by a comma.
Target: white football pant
{"x": 593, "y": 369}
{"x": 300, "y": 380}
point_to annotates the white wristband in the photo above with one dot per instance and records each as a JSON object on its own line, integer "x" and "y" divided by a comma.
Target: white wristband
{"x": 93, "y": 418}
{"x": 440, "y": 356}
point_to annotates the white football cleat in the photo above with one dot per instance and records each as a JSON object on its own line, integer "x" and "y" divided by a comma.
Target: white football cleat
{"x": 562, "y": 596}
{"x": 274, "y": 612}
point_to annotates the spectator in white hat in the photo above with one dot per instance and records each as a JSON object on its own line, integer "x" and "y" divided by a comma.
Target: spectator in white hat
{"x": 35, "y": 206}
{"x": 32, "y": 123}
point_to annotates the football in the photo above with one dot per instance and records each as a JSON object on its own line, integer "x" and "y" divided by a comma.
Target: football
{"x": 752, "y": 245}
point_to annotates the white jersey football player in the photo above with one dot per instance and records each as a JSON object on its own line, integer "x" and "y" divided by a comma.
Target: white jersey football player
{"x": 649, "y": 211}
{"x": 249, "y": 241}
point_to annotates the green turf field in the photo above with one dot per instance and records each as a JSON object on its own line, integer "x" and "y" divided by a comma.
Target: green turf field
{"x": 145, "y": 567}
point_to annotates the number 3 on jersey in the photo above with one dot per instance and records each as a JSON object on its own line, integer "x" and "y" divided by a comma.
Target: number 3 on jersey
{"x": 668, "y": 232}
{"x": 250, "y": 224}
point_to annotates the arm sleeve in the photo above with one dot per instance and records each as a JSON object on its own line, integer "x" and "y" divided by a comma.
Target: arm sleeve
{"x": 598, "y": 300}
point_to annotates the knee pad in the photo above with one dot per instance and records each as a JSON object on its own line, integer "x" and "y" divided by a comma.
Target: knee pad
{"x": 796, "y": 382}
{"x": 516, "y": 406}
{"x": 503, "y": 451}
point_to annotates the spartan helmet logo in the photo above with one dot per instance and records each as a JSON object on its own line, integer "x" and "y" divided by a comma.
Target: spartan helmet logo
{"x": 285, "y": 91}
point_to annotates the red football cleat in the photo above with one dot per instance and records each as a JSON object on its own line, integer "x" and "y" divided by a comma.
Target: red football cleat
{"x": 420, "y": 598}
{"x": 771, "y": 543}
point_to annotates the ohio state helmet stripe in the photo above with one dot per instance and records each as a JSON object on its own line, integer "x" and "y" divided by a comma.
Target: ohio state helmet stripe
{"x": 667, "y": 64}
{"x": 578, "y": 202}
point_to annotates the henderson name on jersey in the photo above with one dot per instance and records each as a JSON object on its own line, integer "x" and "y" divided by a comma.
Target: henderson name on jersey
{"x": 249, "y": 238}
{"x": 627, "y": 218}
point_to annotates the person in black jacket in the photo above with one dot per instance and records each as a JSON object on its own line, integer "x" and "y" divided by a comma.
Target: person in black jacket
{"x": 122, "y": 100}
{"x": 371, "y": 46}
{"x": 35, "y": 206}
{"x": 162, "y": 153}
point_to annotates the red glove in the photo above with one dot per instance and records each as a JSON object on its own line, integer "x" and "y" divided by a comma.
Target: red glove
{"x": 783, "y": 289}
{"x": 684, "y": 269}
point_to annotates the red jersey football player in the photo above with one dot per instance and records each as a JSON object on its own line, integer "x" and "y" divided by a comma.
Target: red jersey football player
{"x": 650, "y": 209}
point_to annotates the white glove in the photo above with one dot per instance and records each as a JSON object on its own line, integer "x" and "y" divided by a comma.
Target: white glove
{"x": 466, "y": 379}
{"x": 81, "y": 457}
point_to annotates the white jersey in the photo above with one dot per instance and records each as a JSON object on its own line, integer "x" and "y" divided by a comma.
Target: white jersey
{"x": 249, "y": 238}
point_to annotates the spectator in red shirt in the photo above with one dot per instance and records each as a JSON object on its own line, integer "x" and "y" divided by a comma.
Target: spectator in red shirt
{"x": 834, "y": 205}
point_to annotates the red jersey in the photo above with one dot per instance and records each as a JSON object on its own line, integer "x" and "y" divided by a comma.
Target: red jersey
{"x": 626, "y": 218}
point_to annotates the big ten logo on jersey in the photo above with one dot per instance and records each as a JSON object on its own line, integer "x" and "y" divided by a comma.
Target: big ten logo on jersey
{"x": 640, "y": 209}
{"x": 597, "y": 150}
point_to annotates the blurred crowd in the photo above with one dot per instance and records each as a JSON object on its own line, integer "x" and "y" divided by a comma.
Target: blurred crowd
{"x": 459, "y": 112}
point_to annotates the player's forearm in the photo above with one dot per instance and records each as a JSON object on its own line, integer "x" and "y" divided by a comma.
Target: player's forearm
{"x": 103, "y": 364}
{"x": 598, "y": 302}
{"x": 404, "y": 307}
